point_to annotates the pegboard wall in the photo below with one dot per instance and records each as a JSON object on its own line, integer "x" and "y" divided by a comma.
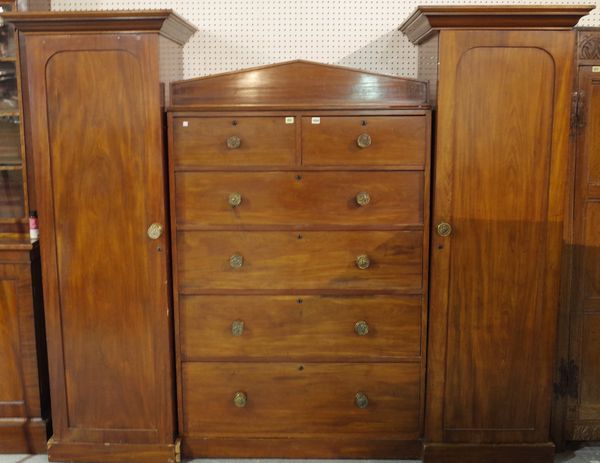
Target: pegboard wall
{"x": 235, "y": 34}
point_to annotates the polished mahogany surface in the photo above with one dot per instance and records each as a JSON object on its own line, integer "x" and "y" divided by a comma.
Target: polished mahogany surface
{"x": 96, "y": 137}
{"x": 500, "y": 183}
{"x": 299, "y": 216}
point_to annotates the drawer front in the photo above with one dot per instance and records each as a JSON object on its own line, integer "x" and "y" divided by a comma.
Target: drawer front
{"x": 286, "y": 398}
{"x": 318, "y": 328}
{"x": 287, "y": 198}
{"x": 212, "y": 141}
{"x": 386, "y": 141}
{"x": 299, "y": 260}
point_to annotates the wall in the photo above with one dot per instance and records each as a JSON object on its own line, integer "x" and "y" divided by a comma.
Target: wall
{"x": 235, "y": 34}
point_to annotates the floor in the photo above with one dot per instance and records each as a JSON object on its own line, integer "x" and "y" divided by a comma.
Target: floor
{"x": 590, "y": 454}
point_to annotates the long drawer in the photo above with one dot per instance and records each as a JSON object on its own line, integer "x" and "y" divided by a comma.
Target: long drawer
{"x": 365, "y": 141}
{"x": 279, "y": 399}
{"x": 245, "y": 260}
{"x": 233, "y": 141}
{"x": 317, "y": 328}
{"x": 314, "y": 198}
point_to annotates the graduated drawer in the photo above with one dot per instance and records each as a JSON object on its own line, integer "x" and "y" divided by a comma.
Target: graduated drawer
{"x": 246, "y": 260}
{"x": 288, "y": 198}
{"x": 290, "y": 398}
{"x": 210, "y": 141}
{"x": 318, "y": 328}
{"x": 385, "y": 141}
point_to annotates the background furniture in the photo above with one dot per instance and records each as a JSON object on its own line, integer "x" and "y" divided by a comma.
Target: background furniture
{"x": 577, "y": 409}
{"x": 95, "y": 132}
{"x": 24, "y": 395}
{"x": 299, "y": 199}
{"x": 503, "y": 107}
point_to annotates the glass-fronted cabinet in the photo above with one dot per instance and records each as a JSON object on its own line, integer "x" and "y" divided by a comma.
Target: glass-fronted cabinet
{"x": 13, "y": 175}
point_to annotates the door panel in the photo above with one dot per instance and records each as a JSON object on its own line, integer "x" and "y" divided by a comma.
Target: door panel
{"x": 500, "y": 171}
{"x": 99, "y": 167}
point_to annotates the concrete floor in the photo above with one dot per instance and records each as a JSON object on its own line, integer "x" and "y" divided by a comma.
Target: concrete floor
{"x": 590, "y": 454}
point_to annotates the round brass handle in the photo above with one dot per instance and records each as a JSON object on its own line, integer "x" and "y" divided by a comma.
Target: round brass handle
{"x": 236, "y": 261}
{"x": 240, "y": 399}
{"x": 361, "y": 400}
{"x": 234, "y": 142}
{"x": 363, "y": 261}
{"x": 155, "y": 231}
{"x": 237, "y": 327}
{"x": 235, "y": 199}
{"x": 363, "y": 198}
{"x": 444, "y": 229}
{"x": 361, "y": 328}
{"x": 364, "y": 140}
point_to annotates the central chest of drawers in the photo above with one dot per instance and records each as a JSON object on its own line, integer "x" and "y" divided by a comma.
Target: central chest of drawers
{"x": 299, "y": 242}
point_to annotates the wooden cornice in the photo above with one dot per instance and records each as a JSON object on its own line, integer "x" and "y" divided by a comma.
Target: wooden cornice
{"x": 427, "y": 20}
{"x": 298, "y": 84}
{"x": 165, "y": 22}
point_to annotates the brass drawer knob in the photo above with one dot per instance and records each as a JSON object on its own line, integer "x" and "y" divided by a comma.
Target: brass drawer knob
{"x": 364, "y": 140}
{"x": 444, "y": 229}
{"x": 363, "y": 198}
{"x": 361, "y": 328}
{"x": 361, "y": 400}
{"x": 363, "y": 261}
{"x": 234, "y": 142}
{"x": 240, "y": 399}
{"x": 235, "y": 199}
{"x": 236, "y": 261}
{"x": 155, "y": 231}
{"x": 237, "y": 327}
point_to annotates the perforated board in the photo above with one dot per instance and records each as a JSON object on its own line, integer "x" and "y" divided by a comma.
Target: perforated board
{"x": 236, "y": 34}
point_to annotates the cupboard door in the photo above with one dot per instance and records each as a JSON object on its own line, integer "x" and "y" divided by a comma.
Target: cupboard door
{"x": 500, "y": 173}
{"x": 96, "y": 140}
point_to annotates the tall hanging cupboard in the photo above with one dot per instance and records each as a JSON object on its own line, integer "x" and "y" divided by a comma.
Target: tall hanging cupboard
{"x": 94, "y": 129}
{"x": 502, "y": 95}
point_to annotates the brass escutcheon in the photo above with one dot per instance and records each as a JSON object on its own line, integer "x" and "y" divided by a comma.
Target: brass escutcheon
{"x": 361, "y": 400}
{"x": 363, "y": 198}
{"x": 235, "y": 199}
{"x": 237, "y": 327}
{"x": 363, "y": 261}
{"x": 361, "y": 328}
{"x": 444, "y": 229}
{"x": 363, "y": 140}
{"x": 240, "y": 399}
{"x": 236, "y": 261}
{"x": 234, "y": 142}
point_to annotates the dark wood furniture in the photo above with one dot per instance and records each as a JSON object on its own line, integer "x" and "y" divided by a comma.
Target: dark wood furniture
{"x": 503, "y": 103}
{"x": 94, "y": 129}
{"x": 24, "y": 393}
{"x": 577, "y": 409}
{"x": 299, "y": 199}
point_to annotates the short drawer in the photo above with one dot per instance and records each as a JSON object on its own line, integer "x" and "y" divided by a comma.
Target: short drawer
{"x": 289, "y": 198}
{"x": 231, "y": 141}
{"x": 319, "y": 328}
{"x": 365, "y": 141}
{"x": 279, "y": 399}
{"x": 217, "y": 260}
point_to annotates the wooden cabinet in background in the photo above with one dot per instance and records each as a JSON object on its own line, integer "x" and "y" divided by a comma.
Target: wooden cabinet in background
{"x": 24, "y": 394}
{"x": 300, "y": 240}
{"x": 577, "y": 408}
{"x": 503, "y": 102}
{"x": 94, "y": 125}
